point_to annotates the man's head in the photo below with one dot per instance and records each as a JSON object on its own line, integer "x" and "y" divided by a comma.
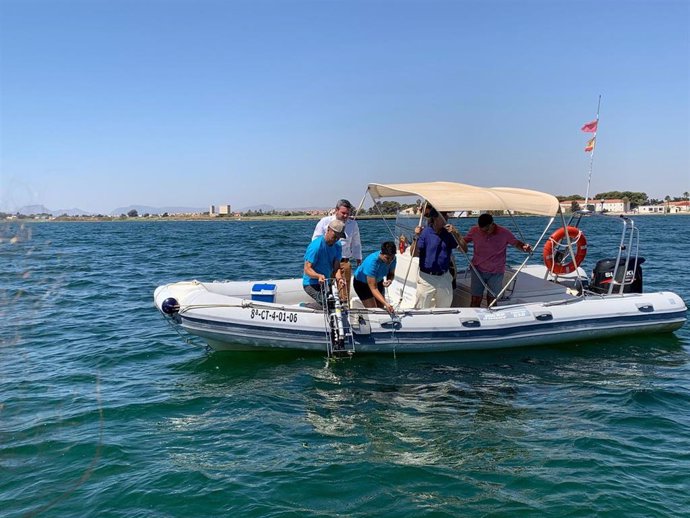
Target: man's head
{"x": 436, "y": 221}
{"x": 343, "y": 209}
{"x": 485, "y": 222}
{"x": 388, "y": 251}
{"x": 336, "y": 230}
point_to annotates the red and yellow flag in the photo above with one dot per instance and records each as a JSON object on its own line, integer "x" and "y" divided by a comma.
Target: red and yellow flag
{"x": 590, "y": 144}
{"x": 590, "y": 127}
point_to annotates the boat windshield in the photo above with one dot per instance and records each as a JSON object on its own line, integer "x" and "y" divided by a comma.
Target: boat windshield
{"x": 405, "y": 224}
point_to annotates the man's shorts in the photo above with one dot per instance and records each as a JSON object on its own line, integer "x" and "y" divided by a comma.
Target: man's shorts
{"x": 493, "y": 280}
{"x": 363, "y": 291}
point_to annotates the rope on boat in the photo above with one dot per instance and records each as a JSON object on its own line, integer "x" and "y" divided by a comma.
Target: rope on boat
{"x": 300, "y": 309}
{"x": 249, "y": 304}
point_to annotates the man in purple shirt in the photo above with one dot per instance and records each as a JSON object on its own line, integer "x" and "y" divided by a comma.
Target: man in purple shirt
{"x": 434, "y": 245}
{"x": 489, "y": 258}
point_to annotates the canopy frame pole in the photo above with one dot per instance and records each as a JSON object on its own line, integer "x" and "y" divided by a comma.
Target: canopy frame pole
{"x": 519, "y": 230}
{"x": 382, "y": 217}
{"x": 361, "y": 203}
{"x": 412, "y": 249}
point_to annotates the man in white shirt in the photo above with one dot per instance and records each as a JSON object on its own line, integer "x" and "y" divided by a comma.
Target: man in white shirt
{"x": 352, "y": 246}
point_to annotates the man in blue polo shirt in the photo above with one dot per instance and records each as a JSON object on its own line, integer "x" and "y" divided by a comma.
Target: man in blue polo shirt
{"x": 322, "y": 261}
{"x": 435, "y": 244}
{"x": 375, "y": 274}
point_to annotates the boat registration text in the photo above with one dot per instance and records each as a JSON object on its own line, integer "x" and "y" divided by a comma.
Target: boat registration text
{"x": 273, "y": 315}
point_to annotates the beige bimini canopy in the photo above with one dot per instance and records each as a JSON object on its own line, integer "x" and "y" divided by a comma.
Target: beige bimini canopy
{"x": 451, "y": 196}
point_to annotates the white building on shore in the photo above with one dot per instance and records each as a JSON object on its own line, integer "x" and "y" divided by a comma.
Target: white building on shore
{"x": 221, "y": 210}
{"x": 676, "y": 207}
{"x": 609, "y": 205}
{"x": 650, "y": 209}
{"x": 672, "y": 207}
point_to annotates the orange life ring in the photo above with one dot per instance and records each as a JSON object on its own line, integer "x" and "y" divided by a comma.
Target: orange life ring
{"x": 577, "y": 238}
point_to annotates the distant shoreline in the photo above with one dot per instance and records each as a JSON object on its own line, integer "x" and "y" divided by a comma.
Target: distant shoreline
{"x": 201, "y": 218}
{"x": 117, "y": 219}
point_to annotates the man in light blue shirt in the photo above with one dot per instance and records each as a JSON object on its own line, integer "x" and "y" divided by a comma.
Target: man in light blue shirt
{"x": 322, "y": 261}
{"x": 374, "y": 275}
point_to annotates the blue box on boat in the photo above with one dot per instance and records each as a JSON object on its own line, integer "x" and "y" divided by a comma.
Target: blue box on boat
{"x": 264, "y": 292}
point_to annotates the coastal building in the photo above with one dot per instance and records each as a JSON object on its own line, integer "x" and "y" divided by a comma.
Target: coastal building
{"x": 672, "y": 207}
{"x": 615, "y": 205}
{"x": 594, "y": 205}
{"x": 650, "y": 209}
{"x": 224, "y": 210}
{"x": 676, "y": 207}
{"x": 607, "y": 205}
{"x": 211, "y": 210}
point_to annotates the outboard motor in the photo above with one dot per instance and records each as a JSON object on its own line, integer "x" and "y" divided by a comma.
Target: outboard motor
{"x": 602, "y": 276}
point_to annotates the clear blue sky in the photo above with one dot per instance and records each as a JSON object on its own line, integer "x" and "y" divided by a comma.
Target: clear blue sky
{"x": 297, "y": 103}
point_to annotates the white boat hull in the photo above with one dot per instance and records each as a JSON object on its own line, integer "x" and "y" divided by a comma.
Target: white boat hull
{"x": 226, "y": 317}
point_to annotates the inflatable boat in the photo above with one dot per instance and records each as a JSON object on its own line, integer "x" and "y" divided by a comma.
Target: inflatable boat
{"x": 551, "y": 302}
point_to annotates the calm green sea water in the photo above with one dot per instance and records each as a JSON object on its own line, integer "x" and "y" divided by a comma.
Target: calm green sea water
{"x": 106, "y": 411}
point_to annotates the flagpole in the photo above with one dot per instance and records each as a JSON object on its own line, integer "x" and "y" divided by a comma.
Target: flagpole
{"x": 591, "y": 156}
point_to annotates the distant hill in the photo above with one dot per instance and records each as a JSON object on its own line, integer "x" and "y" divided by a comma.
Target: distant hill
{"x": 145, "y": 209}
{"x": 30, "y": 210}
